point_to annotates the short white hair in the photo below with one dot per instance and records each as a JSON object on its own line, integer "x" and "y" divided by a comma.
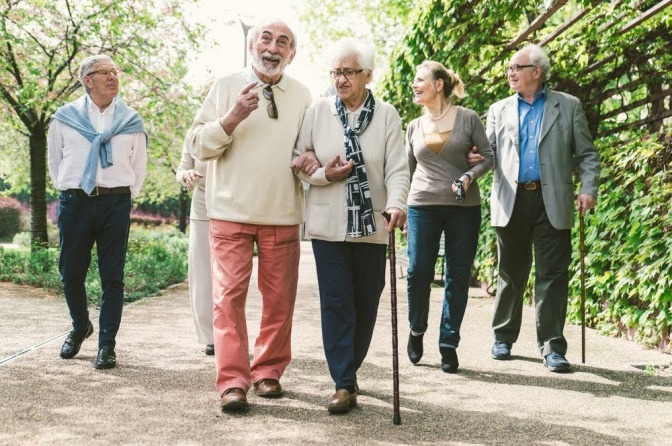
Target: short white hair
{"x": 538, "y": 56}
{"x": 348, "y": 47}
{"x": 256, "y": 31}
{"x": 88, "y": 63}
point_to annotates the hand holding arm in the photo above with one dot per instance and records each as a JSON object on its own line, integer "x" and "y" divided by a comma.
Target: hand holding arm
{"x": 306, "y": 162}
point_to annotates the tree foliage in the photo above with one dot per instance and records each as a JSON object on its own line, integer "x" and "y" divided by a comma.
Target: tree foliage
{"x": 41, "y": 46}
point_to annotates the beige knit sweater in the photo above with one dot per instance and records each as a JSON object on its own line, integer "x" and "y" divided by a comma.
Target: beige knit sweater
{"x": 249, "y": 178}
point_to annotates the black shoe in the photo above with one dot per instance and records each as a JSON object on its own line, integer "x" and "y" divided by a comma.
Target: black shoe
{"x": 106, "y": 358}
{"x": 501, "y": 350}
{"x": 209, "y": 349}
{"x": 74, "y": 341}
{"x": 414, "y": 348}
{"x": 555, "y": 362}
{"x": 449, "y": 363}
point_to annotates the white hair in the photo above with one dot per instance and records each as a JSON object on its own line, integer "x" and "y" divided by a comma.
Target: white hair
{"x": 538, "y": 56}
{"x": 88, "y": 63}
{"x": 349, "y": 47}
{"x": 257, "y": 30}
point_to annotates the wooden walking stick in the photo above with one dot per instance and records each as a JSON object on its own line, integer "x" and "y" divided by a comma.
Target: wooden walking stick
{"x": 396, "y": 419}
{"x": 582, "y": 252}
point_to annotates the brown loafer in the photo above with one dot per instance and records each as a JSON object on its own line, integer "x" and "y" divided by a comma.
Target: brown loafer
{"x": 342, "y": 402}
{"x": 233, "y": 399}
{"x": 268, "y": 388}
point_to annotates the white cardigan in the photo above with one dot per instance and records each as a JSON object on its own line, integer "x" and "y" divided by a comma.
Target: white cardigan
{"x": 382, "y": 144}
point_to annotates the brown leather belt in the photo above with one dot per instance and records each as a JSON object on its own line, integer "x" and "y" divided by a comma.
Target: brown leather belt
{"x": 531, "y": 185}
{"x": 101, "y": 191}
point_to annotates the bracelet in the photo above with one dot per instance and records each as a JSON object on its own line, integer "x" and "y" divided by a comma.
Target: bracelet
{"x": 469, "y": 175}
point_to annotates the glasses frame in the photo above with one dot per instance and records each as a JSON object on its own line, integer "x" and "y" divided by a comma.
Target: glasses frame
{"x": 349, "y": 73}
{"x": 517, "y": 67}
{"x": 271, "y": 109}
{"x": 105, "y": 72}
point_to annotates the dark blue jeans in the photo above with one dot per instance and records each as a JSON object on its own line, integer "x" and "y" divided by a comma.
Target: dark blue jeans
{"x": 461, "y": 225}
{"x": 83, "y": 221}
{"x": 351, "y": 278}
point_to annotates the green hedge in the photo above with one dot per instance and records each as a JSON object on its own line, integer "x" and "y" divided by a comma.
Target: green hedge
{"x": 155, "y": 260}
{"x": 628, "y": 242}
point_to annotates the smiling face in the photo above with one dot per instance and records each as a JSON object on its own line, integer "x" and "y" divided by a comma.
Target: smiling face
{"x": 272, "y": 51}
{"x": 351, "y": 91}
{"x": 526, "y": 80}
{"x": 426, "y": 88}
{"x": 102, "y": 83}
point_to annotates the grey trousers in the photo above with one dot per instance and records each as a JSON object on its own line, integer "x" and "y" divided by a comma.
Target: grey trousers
{"x": 529, "y": 227}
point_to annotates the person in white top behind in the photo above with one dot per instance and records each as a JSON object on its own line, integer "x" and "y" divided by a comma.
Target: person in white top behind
{"x": 97, "y": 159}
{"x": 191, "y": 174}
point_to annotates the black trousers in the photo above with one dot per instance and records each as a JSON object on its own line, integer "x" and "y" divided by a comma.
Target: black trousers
{"x": 529, "y": 227}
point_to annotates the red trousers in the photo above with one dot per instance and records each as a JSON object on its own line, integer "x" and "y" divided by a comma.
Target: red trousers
{"x": 232, "y": 247}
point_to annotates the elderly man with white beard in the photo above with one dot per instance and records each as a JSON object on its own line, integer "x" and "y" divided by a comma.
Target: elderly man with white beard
{"x": 246, "y": 130}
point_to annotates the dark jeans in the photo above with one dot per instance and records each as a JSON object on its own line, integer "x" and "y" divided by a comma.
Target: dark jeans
{"x": 461, "y": 225}
{"x": 351, "y": 278}
{"x": 529, "y": 225}
{"x": 83, "y": 221}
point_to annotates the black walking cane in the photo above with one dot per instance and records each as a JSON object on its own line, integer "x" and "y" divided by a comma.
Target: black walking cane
{"x": 582, "y": 251}
{"x": 396, "y": 419}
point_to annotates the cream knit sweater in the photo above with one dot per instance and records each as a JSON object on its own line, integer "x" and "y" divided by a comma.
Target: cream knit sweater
{"x": 249, "y": 179}
{"x": 382, "y": 144}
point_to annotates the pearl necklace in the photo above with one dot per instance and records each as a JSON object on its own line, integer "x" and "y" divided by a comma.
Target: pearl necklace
{"x": 442, "y": 114}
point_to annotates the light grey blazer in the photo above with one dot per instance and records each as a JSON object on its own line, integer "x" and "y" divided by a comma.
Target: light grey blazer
{"x": 564, "y": 143}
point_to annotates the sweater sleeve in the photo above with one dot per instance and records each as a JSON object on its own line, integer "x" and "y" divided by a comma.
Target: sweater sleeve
{"x": 397, "y": 177}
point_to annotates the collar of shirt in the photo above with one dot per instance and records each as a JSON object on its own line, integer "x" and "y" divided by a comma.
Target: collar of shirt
{"x": 251, "y": 76}
{"x": 538, "y": 96}
{"x": 91, "y": 107}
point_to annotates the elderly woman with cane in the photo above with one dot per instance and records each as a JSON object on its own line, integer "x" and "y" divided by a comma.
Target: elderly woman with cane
{"x": 358, "y": 141}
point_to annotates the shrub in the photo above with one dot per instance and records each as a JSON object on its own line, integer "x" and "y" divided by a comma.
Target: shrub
{"x": 10, "y": 216}
{"x": 155, "y": 260}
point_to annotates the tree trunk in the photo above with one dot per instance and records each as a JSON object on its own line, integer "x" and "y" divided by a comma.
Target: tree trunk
{"x": 38, "y": 178}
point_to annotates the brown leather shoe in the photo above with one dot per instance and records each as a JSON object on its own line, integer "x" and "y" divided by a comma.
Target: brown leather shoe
{"x": 342, "y": 401}
{"x": 233, "y": 399}
{"x": 268, "y": 388}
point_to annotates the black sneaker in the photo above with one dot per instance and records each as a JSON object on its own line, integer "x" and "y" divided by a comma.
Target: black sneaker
{"x": 209, "y": 350}
{"x": 74, "y": 341}
{"x": 501, "y": 350}
{"x": 414, "y": 348}
{"x": 449, "y": 363}
{"x": 555, "y": 362}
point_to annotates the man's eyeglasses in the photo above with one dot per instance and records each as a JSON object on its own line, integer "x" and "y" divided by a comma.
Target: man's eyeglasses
{"x": 105, "y": 72}
{"x": 272, "y": 109}
{"x": 349, "y": 73}
{"x": 516, "y": 68}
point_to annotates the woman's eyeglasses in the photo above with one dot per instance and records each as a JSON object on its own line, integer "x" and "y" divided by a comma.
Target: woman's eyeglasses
{"x": 272, "y": 109}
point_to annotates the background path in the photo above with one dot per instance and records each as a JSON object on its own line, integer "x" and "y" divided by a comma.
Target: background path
{"x": 162, "y": 391}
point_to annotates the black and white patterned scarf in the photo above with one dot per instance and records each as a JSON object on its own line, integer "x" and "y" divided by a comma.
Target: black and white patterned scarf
{"x": 361, "y": 221}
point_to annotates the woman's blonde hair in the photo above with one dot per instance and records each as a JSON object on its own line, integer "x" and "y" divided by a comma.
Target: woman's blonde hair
{"x": 452, "y": 84}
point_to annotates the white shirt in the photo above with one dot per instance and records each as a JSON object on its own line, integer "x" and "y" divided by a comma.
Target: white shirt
{"x": 69, "y": 151}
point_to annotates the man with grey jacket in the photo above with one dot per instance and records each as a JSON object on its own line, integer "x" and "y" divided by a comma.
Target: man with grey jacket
{"x": 539, "y": 136}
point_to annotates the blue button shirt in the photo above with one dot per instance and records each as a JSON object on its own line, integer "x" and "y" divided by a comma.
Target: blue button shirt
{"x": 530, "y": 116}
